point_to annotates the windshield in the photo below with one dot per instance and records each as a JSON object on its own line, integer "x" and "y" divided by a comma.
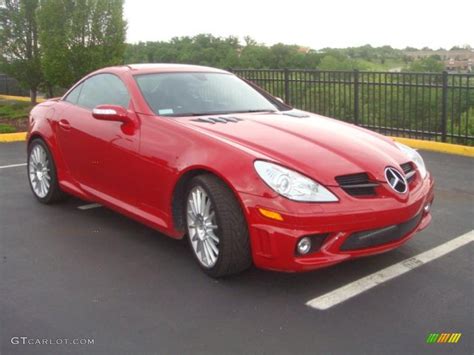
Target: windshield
{"x": 186, "y": 94}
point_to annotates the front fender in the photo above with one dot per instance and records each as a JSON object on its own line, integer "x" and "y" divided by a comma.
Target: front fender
{"x": 42, "y": 125}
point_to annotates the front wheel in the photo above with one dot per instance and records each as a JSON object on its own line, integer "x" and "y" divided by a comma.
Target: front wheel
{"x": 217, "y": 230}
{"x": 42, "y": 173}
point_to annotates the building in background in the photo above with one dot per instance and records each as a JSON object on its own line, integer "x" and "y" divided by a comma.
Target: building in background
{"x": 455, "y": 61}
{"x": 457, "y": 66}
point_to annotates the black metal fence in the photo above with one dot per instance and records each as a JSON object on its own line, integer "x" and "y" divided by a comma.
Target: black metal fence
{"x": 428, "y": 106}
{"x": 10, "y": 86}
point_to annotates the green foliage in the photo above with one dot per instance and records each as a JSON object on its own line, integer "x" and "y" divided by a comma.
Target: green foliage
{"x": 19, "y": 42}
{"x": 431, "y": 65}
{"x": 367, "y": 53}
{"x": 12, "y": 110}
{"x": 335, "y": 61}
{"x": 56, "y": 42}
{"x": 202, "y": 49}
{"x": 205, "y": 49}
{"x": 283, "y": 56}
{"x": 80, "y": 36}
{"x": 254, "y": 56}
{"x": 6, "y": 128}
{"x": 462, "y": 124}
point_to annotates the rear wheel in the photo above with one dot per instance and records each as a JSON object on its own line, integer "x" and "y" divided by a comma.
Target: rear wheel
{"x": 217, "y": 230}
{"x": 42, "y": 173}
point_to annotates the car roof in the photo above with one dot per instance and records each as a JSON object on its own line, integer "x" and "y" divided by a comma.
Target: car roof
{"x": 147, "y": 68}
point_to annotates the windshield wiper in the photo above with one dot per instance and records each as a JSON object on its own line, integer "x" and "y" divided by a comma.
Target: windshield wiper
{"x": 253, "y": 111}
{"x": 210, "y": 113}
{"x": 228, "y": 112}
{"x": 184, "y": 114}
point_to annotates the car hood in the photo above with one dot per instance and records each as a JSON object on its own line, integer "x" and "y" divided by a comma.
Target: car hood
{"x": 317, "y": 146}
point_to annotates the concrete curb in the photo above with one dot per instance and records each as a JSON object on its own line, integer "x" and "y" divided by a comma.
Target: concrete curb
{"x": 20, "y": 98}
{"x": 437, "y": 146}
{"x": 12, "y": 137}
{"x": 20, "y": 136}
{"x": 414, "y": 143}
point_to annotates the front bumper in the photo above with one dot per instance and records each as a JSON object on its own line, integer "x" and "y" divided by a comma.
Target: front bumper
{"x": 378, "y": 224}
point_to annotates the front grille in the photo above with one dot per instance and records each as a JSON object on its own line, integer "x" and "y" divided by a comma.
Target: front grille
{"x": 352, "y": 179}
{"x": 357, "y": 184}
{"x": 375, "y": 237}
{"x": 409, "y": 171}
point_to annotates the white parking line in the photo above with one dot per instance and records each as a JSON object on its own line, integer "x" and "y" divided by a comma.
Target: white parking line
{"x": 89, "y": 206}
{"x": 12, "y": 166}
{"x": 348, "y": 291}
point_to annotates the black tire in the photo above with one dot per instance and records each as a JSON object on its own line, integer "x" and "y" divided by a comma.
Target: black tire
{"x": 234, "y": 246}
{"x": 54, "y": 193}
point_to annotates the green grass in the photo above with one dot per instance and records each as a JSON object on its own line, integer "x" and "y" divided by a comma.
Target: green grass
{"x": 376, "y": 65}
{"x": 5, "y": 128}
{"x": 13, "y": 110}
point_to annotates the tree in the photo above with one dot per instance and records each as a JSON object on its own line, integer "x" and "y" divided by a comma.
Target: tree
{"x": 227, "y": 52}
{"x": 19, "y": 42}
{"x": 254, "y": 56}
{"x": 430, "y": 64}
{"x": 286, "y": 56}
{"x": 335, "y": 62}
{"x": 249, "y": 41}
{"x": 53, "y": 18}
{"x": 80, "y": 36}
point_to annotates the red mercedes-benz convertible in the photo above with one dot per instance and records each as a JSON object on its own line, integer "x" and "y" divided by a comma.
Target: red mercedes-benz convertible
{"x": 196, "y": 152}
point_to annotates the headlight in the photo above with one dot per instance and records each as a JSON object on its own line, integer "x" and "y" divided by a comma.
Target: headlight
{"x": 291, "y": 184}
{"x": 414, "y": 156}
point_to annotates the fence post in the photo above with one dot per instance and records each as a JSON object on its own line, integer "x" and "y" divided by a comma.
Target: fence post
{"x": 356, "y": 96}
{"x": 444, "y": 107}
{"x": 287, "y": 85}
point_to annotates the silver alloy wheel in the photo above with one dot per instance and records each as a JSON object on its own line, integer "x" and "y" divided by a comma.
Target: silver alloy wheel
{"x": 201, "y": 226}
{"x": 39, "y": 171}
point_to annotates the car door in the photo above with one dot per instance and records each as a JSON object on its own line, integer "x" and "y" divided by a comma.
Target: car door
{"x": 99, "y": 154}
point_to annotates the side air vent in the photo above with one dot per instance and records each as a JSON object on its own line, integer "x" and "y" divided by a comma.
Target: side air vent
{"x": 357, "y": 184}
{"x": 295, "y": 113}
{"x": 214, "y": 120}
{"x": 409, "y": 171}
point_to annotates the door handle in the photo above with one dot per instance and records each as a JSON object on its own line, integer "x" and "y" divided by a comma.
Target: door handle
{"x": 64, "y": 124}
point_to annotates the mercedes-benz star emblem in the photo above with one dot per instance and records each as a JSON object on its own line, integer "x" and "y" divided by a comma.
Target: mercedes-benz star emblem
{"x": 396, "y": 180}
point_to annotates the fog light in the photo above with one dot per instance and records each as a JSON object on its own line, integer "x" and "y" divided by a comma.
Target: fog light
{"x": 427, "y": 207}
{"x": 304, "y": 246}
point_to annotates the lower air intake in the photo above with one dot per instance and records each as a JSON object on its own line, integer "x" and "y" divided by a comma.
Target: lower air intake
{"x": 375, "y": 237}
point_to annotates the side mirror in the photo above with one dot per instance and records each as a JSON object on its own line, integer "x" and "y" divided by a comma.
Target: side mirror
{"x": 279, "y": 99}
{"x": 111, "y": 113}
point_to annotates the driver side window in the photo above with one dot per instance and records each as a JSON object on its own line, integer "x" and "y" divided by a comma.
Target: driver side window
{"x": 103, "y": 89}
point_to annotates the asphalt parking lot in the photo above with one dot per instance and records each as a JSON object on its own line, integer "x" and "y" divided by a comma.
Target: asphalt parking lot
{"x": 68, "y": 273}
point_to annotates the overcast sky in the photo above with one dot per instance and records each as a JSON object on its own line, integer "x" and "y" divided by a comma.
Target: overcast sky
{"x": 312, "y": 23}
